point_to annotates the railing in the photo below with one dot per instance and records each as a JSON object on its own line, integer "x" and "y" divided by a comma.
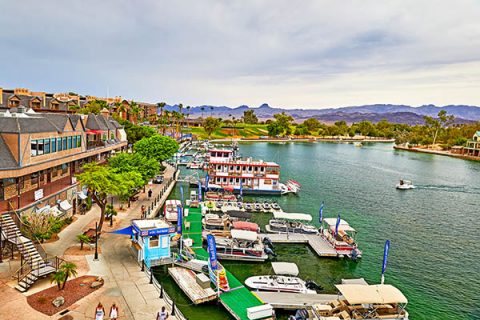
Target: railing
{"x": 95, "y": 144}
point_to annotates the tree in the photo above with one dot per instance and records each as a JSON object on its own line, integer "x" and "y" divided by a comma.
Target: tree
{"x": 211, "y": 124}
{"x": 135, "y": 110}
{"x": 93, "y": 106}
{"x": 436, "y": 125}
{"x": 156, "y": 147}
{"x": 58, "y": 278}
{"x": 162, "y": 105}
{"x": 311, "y": 124}
{"x": 274, "y": 129}
{"x": 135, "y": 132}
{"x": 69, "y": 269}
{"x": 250, "y": 117}
{"x": 366, "y": 128}
{"x": 202, "y": 109}
{"x": 301, "y": 130}
{"x": 126, "y": 162}
{"x": 83, "y": 239}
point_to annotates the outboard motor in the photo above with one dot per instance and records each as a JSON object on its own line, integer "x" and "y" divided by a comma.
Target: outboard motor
{"x": 269, "y": 251}
{"x": 311, "y": 285}
{"x": 267, "y": 242}
{"x": 301, "y": 314}
{"x": 354, "y": 254}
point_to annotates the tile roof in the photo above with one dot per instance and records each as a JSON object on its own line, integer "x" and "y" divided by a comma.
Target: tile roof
{"x": 6, "y": 158}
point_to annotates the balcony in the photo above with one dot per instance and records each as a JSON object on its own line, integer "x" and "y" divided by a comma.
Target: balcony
{"x": 95, "y": 144}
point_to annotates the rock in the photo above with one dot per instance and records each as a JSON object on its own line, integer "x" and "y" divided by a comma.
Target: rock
{"x": 96, "y": 284}
{"x": 58, "y": 301}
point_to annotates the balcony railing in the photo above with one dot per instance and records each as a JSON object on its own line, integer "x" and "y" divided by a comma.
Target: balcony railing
{"x": 95, "y": 144}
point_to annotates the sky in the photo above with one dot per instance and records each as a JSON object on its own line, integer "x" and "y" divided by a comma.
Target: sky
{"x": 291, "y": 54}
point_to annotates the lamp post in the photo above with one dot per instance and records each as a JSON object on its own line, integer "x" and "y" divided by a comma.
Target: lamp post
{"x": 1, "y": 243}
{"x": 95, "y": 257}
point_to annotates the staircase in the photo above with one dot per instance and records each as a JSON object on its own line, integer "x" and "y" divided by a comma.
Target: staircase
{"x": 33, "y": 265}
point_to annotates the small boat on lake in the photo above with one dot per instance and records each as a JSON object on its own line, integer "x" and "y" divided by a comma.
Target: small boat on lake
{"x": 405, "y": 185}
{"x": 276, "y": 207}
{"x": 266, "y": 206}
{"x": 248, "y": 206}
{"x": 284, "y": 222}
{"x": 170, "y": 210}
{"x": 257, "y": 207}
{"x": 344, "y": 240}
{"x": 285, "y": 280}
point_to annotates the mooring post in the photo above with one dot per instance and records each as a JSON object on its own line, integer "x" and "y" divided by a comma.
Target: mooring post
{"x": 143, "y": 265}
{"x": 173, "y": 308}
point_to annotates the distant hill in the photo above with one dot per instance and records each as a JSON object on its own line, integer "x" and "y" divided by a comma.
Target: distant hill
{"x": 374, "y": 113}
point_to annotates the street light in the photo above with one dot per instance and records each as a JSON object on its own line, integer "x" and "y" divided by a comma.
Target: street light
{"x": 95, "y": 257}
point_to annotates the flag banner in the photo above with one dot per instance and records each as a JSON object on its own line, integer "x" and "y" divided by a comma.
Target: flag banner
{"x": 199, "y": 190}
{"x": 207, "y": 179}
{"x": 320, "y": 217}
{"x": 385, "y": 256}
{"x": 212, "y": 252}
{"x": 180, "y": 220}
{"x": 337, "y": 225}
{"x": 181, "y": 194}
{"x": 241, "y": 187}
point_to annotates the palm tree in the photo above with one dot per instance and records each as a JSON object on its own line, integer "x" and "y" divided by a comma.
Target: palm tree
{"x": 203, "y": 109}
{"x": 135, "y": 109}
{"x": 188, "y": 114}
{"x": 58, "y": 278}
{"x": 162, "y": 105}
{"x": 211, "y": 110}
{"x": 121, "y": 109}
{"x": 69, "y": 269}
{"x": 83, "y": 239}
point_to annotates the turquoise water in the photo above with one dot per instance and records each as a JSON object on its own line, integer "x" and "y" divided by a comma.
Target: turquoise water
{"x": 434, "y": 229}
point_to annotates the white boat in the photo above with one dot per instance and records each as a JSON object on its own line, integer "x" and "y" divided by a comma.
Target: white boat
{"x": 170, "y": 210}
{"x": 344, "y": 241}
{"x": 363, "y": 301}
{"x": 242, "y": 245}
{"x": 213, "y": 221}
{"x": 284, "y": 280}
{"x": 284, "y": 222}
{"x": 405, "y": 185}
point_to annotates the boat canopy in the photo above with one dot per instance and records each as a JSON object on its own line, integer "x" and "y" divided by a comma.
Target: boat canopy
{"x": 343, "y": 226}
{"x": 285, "y": 268}
{"x": 238, "y": 214}
{"x": 244, "y": 235}
{"x": 371, "y": 294}
{"x": 244, "y": 225}
{"x": 292, "y": 216}
{"x": 355, "y": 281}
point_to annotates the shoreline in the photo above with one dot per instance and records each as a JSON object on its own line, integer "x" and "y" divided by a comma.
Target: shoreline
{"x": 303, "y": 140}
{"x": 437, "y": 152}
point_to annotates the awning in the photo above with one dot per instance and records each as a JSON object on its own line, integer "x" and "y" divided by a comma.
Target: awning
{"x": 285, "y": 268}
{"x": 244, "y": 225}
{"x": 374, "y": 294}
{"x": 292, "y": 216}
{"x": 343, "y": 226}
{"x": 65, "y": 205}
{"x": 94, "y": 132}
{"x": 81, "y": 195}
{"x": 244, "y": 235}
{"x": 127, "y": 231}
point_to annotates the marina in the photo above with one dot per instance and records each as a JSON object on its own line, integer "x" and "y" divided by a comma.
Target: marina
{"x": 197, "y": 290}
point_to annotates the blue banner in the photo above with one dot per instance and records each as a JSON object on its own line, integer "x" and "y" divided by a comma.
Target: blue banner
{"x": 385, "y": 256}
{"x": 212, "y": 252}
{"x": 320, "y": 217}
{"x": 207, "y": 178}
{"x": 179, "y": 220}
{"x": 181, "y": 194}
{"x": 199, "y": 190}
{"x": 241, "y": 187}
{"x": 337, "y": 225}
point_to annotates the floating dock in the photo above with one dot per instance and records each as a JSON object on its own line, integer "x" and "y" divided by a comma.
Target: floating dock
{"x": 186, "y": 280}
{"x": 318, "y": 244}
{"x": 293, "y": 301}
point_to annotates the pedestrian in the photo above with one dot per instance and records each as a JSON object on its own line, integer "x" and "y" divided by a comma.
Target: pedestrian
{"x": 113, "y": 312}
{"x": 150, "y": 193}
{"x": 99, "y": 312}
{"x": 162, "y": 315}
{"x": 143, "y": 211}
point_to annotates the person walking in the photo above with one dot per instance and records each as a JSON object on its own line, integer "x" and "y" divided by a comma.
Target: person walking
{"x": 143, "y": 211}
{"x": 150, "y": 193}
{"x": 99, "y": 312}
{"x": 162, "y": 315}
{"x": 113, "y": 312}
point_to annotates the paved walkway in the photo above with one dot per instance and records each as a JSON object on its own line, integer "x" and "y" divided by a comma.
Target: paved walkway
{"x": 125, "y": 284}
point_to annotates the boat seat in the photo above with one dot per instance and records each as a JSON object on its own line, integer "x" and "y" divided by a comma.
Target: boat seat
{"x": 187, "y": 225}
{"x": 344, "y": 315}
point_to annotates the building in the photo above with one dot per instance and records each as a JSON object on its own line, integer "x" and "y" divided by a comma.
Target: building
{"x": 473, "y": 146}
{"x": 40, "y": 153}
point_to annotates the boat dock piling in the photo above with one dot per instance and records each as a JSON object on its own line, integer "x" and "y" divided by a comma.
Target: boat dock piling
{"x": 318, "y": 244}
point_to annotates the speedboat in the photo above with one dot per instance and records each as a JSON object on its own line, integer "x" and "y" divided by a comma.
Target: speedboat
{"x": 283, "y": 222}
{"x": 341, "y": 238}
{"x": 276, "y": 207}
{"x": 257, "y": 207}
{"x": 405, "y": 185}
{"x": 239, "y": 205}
{"x": 248, "y": 206}
{"x": 219, "y": 204}
{"x": 170, "y": 210}
{"x": 213, "y": 221}
{"x": 284, "y": 280}
{"x": 266, "y": 206}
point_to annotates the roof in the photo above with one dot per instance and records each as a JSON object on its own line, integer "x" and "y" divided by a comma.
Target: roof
{"x": 343, "y": 226}
{"x": 285, "y": 268}
{"x": 245, "y": 225}
{"x": 151, "y": 224}
{"x": 6, "y": 157}
{"x": 354, "y": 281}
{"x": 27, "y": 124}
{"x": 371, "y": 294}
{"x": 58, "y": 120}
{"x": 244, "y": 235}
{"x": 292, "y": 216}
{"x": 477, "y": 133}
{"x": 94, "y": 123}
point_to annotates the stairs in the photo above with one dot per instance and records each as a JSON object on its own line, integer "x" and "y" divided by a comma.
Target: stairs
{"x": 34, "y": 265}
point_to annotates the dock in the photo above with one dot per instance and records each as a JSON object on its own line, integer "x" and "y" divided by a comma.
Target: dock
{"x": 186, "y": 281}
{"x": 318, "y": 244}
{"x": 293, "y": 301}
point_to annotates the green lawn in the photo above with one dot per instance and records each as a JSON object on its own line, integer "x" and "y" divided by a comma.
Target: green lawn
{"x": 241, "y": 130}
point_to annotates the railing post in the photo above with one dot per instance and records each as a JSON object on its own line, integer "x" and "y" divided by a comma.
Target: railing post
{"x": 173, "y": 308}
{"x": 143, "y": 265}
{"x": 151, "y": 276}
{"x": 161, "y": 292}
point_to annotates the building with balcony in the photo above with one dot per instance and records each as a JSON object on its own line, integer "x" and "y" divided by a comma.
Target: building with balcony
{"x": 40, "y": 153}
{"x": 472, "y": 148}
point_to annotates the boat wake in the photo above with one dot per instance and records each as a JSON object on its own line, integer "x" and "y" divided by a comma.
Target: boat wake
{"x": 447, "y": 188}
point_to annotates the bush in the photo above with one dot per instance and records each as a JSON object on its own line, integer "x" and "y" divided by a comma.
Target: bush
{"x": 88, "y": 201}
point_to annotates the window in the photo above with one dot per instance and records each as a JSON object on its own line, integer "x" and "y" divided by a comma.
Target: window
{"x": 74, "y": 141}
{"x": 53, "y": 145}
{"x": 79, "y": 141}
{"x": 40, "y": 147}
{"x": 165, "y": 243}
{"x": 47, "y": 145}
{"x": 34, "y": 178}
{"x": 59, "y": 144}
{"x": 69, "y": 142}
{"x": 64, "y": 168}
{"x": 238, "y": 168}
{"x": 33, "y": 148}
{"x": 112, "y": 136}
{"x": 154, "y": 241}
{"x": 64, "y": 143}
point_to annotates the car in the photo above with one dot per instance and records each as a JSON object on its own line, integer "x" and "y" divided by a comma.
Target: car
{"x": 158, "y": 179}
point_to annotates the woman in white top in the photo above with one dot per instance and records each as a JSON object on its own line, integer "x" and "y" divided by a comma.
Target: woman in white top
{"x": 113, "y": 312}
{"x": 99, "y": 312}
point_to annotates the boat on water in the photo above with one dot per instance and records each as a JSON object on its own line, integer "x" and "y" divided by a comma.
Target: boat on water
{"x": 257, "y": 207}
{"x": 276, "y": 207}
{"x": 285, "y": 280}
{"x": 364, "y": 301}
{"x": 358, "y": 144}
{"x": 246, "y": 225}
{"x": 248, "y": 206}
{"x": 242, "y": 245}
{"x": 170, "y": 210}
{"x": 213, "y": 221}
{"x": 284, "y": 222}
{"x": 266, "y": 206}
{"x": 343, "y": 241}
{"x": 405, "y": 185}
{"x": 217, "y": 196}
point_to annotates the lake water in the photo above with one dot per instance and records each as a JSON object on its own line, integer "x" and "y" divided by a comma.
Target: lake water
{"x": 433, "y": 229}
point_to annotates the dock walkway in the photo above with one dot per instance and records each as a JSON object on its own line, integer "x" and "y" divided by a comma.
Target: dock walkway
{"x": 318, "y": 244}
{"x": 186, "y": 281}
{"x": 293, "y": 301}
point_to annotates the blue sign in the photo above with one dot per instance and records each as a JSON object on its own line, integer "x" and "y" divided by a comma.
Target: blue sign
{"x": 241, "y": 187}
{"x": 212, "y": 252}
{"x": 337, "y": 225}
{"x": 179, "y": 220}
{"x": 181, "y": 193}
{"x": 385, "y": 256}
{"x": 207, "y": 178}
{"x": 199, "y": 190}
{"x": 320, "y": 217}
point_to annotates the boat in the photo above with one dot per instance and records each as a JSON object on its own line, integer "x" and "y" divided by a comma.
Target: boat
{"x": 358, "y": 144}
{"x": 226, "y": 231}
{"x": 285, "y": 280}
{"x": 405, "y": 185}
{"x": 266, "y": 206}
{"x": 248, "y": 206}
{"x": 364, "y": 301}
{"x": 242, "y": 245}
{"x": 170, "y": 210}
{"x": 284, "y": 222}
{"x": 213, "y": 221}
{"x": 245, "y": 225}
{"x": 276, "y": 207}
{"x": 344, "y": 241}
{"x": 257, "y": 207}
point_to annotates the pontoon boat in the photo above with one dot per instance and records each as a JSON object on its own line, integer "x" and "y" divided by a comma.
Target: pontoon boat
{"x": 283, "y": 222}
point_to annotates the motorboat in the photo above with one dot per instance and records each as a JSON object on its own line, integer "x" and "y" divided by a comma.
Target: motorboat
{"x": 170, "y": 210}
{"x": 246, "y": 225}
{"x": 364, "y": 301}
{"x": 257, "y": 207}
{"x": 248, "y": 206}
{"x": 276, "y": 207}
{"x": 341, "y": 238}
{"x": 266, "y": 206}
{"x": 284, "y": 222}
{"x": 242, "y": 245}
{"x": 219, "y": 205}
{"x": 240, "y": 205}
{"x": 405, "y": 185}
{"x": 226, "y": 231}
{"x": 213, "y": 221}
{"x": 285, "y": 279}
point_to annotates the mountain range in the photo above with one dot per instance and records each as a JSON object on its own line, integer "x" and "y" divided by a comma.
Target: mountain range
{"x": 374, "y": 113}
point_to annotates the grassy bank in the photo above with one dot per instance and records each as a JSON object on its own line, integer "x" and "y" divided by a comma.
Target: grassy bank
{"x": 240, "y": 131}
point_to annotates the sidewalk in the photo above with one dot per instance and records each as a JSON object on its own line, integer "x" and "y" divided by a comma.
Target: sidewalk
{"x": 125, "y": 283}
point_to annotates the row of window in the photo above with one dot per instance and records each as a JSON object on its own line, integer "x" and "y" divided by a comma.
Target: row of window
{"x": 244, "y": 180}
{"x": 249, "y": 168}
{"x": 51, "y": 145}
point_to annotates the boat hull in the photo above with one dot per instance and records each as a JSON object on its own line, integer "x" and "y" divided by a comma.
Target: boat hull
{"x": 269, "y": 229}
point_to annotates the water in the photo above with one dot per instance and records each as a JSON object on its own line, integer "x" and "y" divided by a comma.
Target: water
{"x": 433, "y": 229}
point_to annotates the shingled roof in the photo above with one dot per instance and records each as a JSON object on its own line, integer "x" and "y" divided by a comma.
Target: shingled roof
{"x": 26, "y": 125}
{"x": 94, "y": 123}
{"x": 6, "y": 158}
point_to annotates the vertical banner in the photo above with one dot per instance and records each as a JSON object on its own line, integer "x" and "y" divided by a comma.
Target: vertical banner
{"x": 181, "y": 194}
{"x": 179, "y": 220}
{"x": 385, "y": 259}
{"x": 212, "y": 252}
{"x": 199, "y": 190}
{"x": 241, "y": 187}
{"x": 320, "y": 216}
{"x": 207, "y": 179}
{"x": 337, "y": 225}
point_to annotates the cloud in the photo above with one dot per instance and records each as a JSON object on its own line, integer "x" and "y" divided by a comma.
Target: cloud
{"x": 288, "y": 53}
